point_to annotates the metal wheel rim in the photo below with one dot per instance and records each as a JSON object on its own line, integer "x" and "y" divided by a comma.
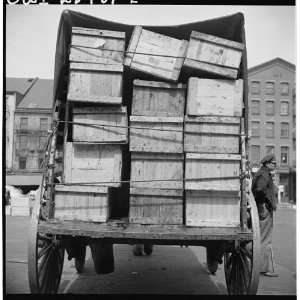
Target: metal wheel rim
{"x": 45, "y": 254}
{"x": 242, "y": 266}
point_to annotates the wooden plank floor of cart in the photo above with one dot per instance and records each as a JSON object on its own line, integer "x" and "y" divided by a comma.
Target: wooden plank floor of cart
{"x": 123, "y": 232}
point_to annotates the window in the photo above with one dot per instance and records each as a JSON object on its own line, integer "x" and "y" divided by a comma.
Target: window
{"x": 255, "y": 107}
{"x": 255, "y": 154}
{"x": 284, "y": 130}
{"x": 255, "y": 87}
{"x": 270, "y": 88}
{"x": 270, "y": 149}
{"x": 284, "y": 108}
{"x": 284, "y": 88}
{"x": 43, "y": 124}
{"x": 255, "y": 128}
{"x": 284, "y": 155}
{"x": 22, "y": 163}
{"x": 42, "y": 142}
{"x": 23, "y": 141}
{"x": 270, "y": 129}
{"x": 270, "y": 108}
{"x": 24, "y": 123}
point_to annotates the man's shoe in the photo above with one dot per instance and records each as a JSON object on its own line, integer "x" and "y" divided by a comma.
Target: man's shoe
{"x": 269, "y": 274}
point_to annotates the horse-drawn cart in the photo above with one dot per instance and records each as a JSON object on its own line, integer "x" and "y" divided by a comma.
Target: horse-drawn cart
{"x": 50, "y": 236}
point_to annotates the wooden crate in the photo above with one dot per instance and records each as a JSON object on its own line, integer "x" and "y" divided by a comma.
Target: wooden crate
{"x": 202, "y": 165}
{"x": 212, "y": 208}
{"x": 212, "y": 134}
{"x": 92, "y": 163}
{"x": 155, "y": 54}
{"x": 219, "y": 97}
{"x": 156, "y": 206}
{"x": 97, "y": 46}
{"x": 84, "y": 203}
{"x": 95, "y": 83}
{"x": 160, "y": 99}
{"x": 214, "y": 55}
{"x": 144, "y": 139}
{"x": 109, "y": 116}
{"x": 157, "y": 166}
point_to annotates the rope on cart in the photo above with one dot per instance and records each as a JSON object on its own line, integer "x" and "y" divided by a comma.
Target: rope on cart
{"x": 80, "y": 48}
{"x": 151, "y": 180}
{"x": 100, "y": 126}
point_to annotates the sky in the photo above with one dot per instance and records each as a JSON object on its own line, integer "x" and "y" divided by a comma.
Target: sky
{"x": 31, "y": 30}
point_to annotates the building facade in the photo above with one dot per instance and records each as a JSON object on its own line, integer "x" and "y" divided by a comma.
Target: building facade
{"x": 272, "y": 118}
{"x": 29, "y": 115}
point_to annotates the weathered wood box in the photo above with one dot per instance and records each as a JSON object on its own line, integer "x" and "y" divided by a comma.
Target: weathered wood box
{"x": 156, "y": 206}
{"x": 212, "y": 208}
{"x": 214, "y": 55}
{"x": 212, "y": 134}
{"x": 219, "y": 97}
{"x": 155, "y": 54}
{"x": 97, "y": 46}
{"x": 95, "y": 83}
{"x": 84, "y": 203}
{"x": 111, "y": 117}
{"x": 156, "y": 167}
{"x": 156, "y": 134}
{"x": 201, "y": 168}
{"x": 93, "y": 163}
{"x": 160, "y": 99}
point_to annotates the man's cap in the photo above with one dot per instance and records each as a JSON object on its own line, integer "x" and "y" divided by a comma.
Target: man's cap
{"x": 268, "y": 158}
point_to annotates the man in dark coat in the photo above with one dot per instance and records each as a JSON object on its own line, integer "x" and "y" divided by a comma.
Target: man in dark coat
{"x": 263, "y": 190}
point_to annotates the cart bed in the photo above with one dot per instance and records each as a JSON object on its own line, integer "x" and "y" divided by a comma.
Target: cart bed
{"x": 163, "y": 234}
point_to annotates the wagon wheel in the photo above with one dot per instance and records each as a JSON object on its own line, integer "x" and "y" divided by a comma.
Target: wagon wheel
{"x": 243, "y": 263}
{"x": 45, "y": 251}
{"x": 211, "y": 261}
{"x": 80, "y": 259}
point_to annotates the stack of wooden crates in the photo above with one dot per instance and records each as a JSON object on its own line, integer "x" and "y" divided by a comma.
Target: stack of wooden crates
{"x": 97, "y": 126}
{"x": 184, "y": 138}
{"x": 156, "y": 145}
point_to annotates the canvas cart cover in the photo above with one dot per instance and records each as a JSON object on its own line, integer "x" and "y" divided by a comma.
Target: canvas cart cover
{"x": 228, "y": 27}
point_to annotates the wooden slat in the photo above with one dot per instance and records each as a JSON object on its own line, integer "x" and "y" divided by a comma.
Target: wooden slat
{"x": 96, "y": 67}
{"x": 217, "y": 70}
{"x": 81, "y": 189}
{"x": 170, "y": 140}
{"x": 156, "y": 192}
{"x": 98, "y": 32}
{"x": 217, "y": 40}
{"x": 209, "y": 156}
{"x": 157, "y": 166}
{"x": 212, "y": 119}
{"x": 158, "y": 84}
{"x": 212, "y": 208}
{"x": 109, "y": 116}
{"x": 214, "y": 97}
{"x": 157, "y": 156}
{"x": 134, "y": 39}
{"x": 176, "y": 233}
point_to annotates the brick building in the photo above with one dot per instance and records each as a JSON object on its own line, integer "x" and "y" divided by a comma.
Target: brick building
{"x": 272, "y": 118}
{"x": 28, "y": 119}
